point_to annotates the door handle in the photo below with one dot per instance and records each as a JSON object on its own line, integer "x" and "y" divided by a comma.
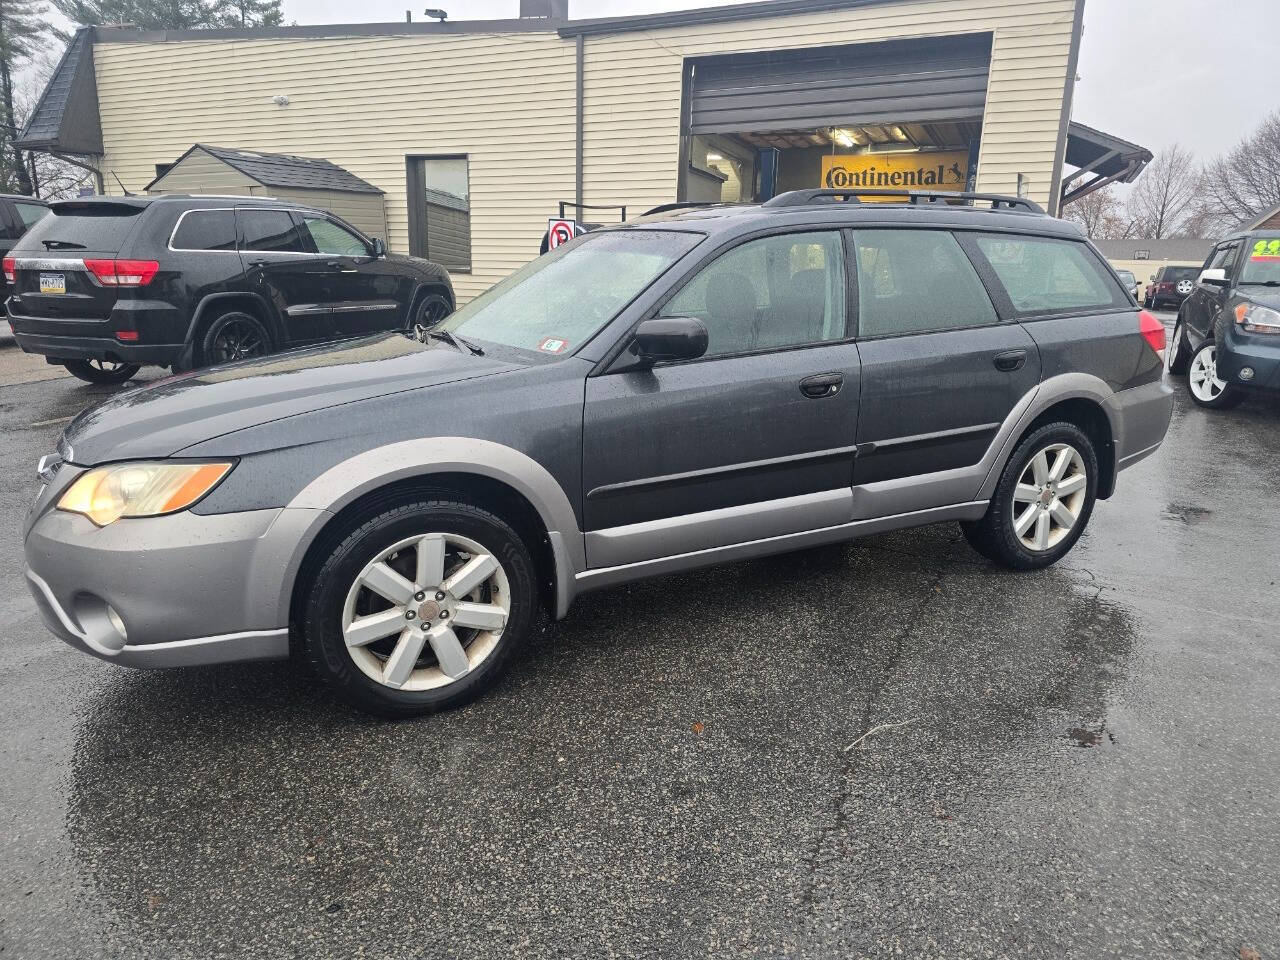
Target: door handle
{"x": 1010, "y": 360}
{"x": 823, "y": 385}
{"x": 257, "y": 263}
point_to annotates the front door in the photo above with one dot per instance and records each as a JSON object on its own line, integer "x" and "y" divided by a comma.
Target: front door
{"x": 754, "y": 439}
{"x": 367, "y": 294}
{"x": 1206, "y": 300}
{"x": 279, "y": 268}
{"x": 940, "y": 371}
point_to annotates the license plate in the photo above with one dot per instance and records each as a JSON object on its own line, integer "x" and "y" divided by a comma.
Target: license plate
{"x": 53, "y": 283}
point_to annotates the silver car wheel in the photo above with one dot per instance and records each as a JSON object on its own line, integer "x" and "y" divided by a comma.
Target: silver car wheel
{"x": 1173, "y": 347}
{"x": 426, "y": 612}
{"x": 1185, "y": 287}
{"x": 1049, "y": 497}
{"x": 1203, "y": 375}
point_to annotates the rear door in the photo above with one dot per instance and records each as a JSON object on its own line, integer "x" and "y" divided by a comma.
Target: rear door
{"x": 752, "y": 440}
{"x": 52, "y": 281}
{"x": 940, "y": 371}
{"x": 367, "y": 294}
{"x": 279, "y": 267}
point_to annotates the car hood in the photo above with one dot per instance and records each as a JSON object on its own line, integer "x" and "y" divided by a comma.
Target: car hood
{"x": 1263, "y": 296}
{"x": 162, "y": 418}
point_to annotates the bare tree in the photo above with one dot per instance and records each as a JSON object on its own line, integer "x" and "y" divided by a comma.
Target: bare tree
{"x": 1244, "y": 183}
{"x": 1100, "y": 214}
{"x": 1165, "y": 195}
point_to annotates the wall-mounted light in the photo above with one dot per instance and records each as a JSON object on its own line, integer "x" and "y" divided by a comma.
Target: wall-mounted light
{"x": 898, "y": 134}
{"x": 280, "y": 100}
{"x": 712, "y": 157}
{"x": 841, "y": 138}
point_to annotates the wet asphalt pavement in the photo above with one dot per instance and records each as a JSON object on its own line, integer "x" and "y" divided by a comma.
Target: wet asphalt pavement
{"x": 1082, "y": 762}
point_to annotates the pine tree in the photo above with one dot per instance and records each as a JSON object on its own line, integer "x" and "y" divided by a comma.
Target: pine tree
{"x": 172, "y": 14}
{"x": 23, "y": 27}
{"x": 251, "y": 13}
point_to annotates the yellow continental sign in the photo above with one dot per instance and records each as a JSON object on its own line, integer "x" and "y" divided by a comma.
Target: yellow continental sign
{"x": 896, "y": 171}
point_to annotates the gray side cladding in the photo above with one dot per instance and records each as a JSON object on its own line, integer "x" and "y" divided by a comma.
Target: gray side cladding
{"x": 525, "y": 409}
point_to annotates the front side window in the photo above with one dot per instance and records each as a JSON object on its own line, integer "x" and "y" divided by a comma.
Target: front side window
{"x": 334, "y": 239}
{"x": 766, "y": 294}
{"x": 914, "y": 281}
{"x": 556, "y": 303}
{"x": 271, "y": 231}
{"x": 1046, "y": 275}
{"x": 205, "y": 230}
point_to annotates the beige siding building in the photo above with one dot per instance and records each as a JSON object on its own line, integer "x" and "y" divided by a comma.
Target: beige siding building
{"x": 477, "y": 132}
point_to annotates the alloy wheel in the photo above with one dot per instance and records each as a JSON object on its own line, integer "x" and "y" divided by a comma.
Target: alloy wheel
{"x": 426, "y": 611}
{"x": 432, "y": 312}
{"x": 237, "y": 340}
{"x": 1049, "y": 497}
{"x": 1174, "y": 346}
{"x": 1203, "y": 375}
{"x": 1184, "y": 287}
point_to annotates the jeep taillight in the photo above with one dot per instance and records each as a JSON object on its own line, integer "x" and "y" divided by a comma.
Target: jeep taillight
{"x": 1152, "y": 331}
{"x": 10, "y": 265}
{"x": 122, "y": 273}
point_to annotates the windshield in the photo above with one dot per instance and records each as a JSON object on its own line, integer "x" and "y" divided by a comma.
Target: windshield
{"x": 559, "y": 301}
{"x": 1262, "y": 261}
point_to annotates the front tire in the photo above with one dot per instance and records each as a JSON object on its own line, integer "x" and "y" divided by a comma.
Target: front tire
{"x": 421, "y": 607}
{"x": 1179, "y": 349}
{"x": 433, "y": 308}
{"x": 102, "y": 371}
{"x": 1203, "y": 383}
{"x": 1043, "y": 501}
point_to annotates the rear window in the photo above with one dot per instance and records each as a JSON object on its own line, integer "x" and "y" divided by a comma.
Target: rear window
{"x": 1044, "y": 275}
{"x": 205, "y": 230}
{"x": 1174, "y": 274}
{"x": 82, "y": 227}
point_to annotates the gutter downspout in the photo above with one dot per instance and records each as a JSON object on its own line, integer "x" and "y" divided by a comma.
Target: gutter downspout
{"x": 1068, "y": 93}
{"x": 98, "y": 183}
{"x": 578, "y": 125}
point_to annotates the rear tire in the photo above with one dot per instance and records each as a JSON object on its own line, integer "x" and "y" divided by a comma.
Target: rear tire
{"x": 433, "y": 308}
{"x": 233, "y": 336}
{"x": 1052, "y": 477}
{"x": 102, "y": 371}
{"x": 420, "y": 549}
{"x": 1179, "y": 349}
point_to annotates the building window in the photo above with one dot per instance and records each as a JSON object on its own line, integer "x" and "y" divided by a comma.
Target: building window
{"x": 440, "y": 211}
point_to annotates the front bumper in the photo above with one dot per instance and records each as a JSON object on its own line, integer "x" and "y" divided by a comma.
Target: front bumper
{"x": 1260, "y": 352}
{"x": 188, "y": 589}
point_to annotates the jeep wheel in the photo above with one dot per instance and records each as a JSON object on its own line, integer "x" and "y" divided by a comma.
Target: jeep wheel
{"x": 1043, "y": 501}
{"x": 234, "y": 336}
{"x": 421, "y": 607}
{"x": 1203, "y": 383}
{"x": 101, "y": 371}
{"x": 433, "y": 308}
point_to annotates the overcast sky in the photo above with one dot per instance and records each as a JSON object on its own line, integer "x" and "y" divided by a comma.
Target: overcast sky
{"x": 1196, "y": 72}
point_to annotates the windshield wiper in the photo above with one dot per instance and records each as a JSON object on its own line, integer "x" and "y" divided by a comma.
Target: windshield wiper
{"x": 1260, "y": 283}
{"x": 455, "y": 341}
{"x": 62, "y": 245}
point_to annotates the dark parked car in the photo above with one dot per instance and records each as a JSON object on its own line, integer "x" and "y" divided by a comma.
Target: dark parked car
{"x": 1130, "y": 282}
{"x": 1227, "y": 338}
{"x": 17, "y": 215}
{"x": 105, "y": 285}
{"x": 693, "y": 387}
{"x": 1170, "y": 286}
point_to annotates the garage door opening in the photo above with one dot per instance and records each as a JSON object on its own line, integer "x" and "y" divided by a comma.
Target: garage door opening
{"x": 895, "y": 115}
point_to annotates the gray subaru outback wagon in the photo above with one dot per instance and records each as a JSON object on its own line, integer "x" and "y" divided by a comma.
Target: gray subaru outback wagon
{"x": 697, "y": 386}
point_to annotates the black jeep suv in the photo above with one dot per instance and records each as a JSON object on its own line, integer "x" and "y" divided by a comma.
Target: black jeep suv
{"x": 107, "y": 284}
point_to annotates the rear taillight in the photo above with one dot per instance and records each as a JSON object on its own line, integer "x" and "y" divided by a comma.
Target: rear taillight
{"x": 10, "y": 265}
{"x": 122, "y": 273}
{"x": 1152, "y": 331}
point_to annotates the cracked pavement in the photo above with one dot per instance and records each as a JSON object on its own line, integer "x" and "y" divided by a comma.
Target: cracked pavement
{"x": 1078, "y": 763}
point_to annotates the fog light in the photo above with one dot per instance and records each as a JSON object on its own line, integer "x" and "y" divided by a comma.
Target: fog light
{"x": 1246, "y": 373}
{"x": 116, "y": 622}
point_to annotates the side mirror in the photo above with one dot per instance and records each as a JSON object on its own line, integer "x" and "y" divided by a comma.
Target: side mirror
{"x": 379, "y": 249}
{"x": 669, "y": 338}
{"x": 1214, "y": 277}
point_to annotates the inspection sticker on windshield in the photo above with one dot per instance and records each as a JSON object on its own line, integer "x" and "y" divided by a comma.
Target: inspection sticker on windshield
{"x": 553, "y": 345}
{"x": 1266, "y": 250}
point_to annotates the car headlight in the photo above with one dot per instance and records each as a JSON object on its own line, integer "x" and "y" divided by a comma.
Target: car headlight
{"x": 1256, "y": 319}
{"x": 105, "y": 494}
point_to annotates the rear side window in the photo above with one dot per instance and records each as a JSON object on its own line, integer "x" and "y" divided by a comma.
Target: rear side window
{"x": 30, "y": 212}
{"x": 1044, "y": 275}
{"x": 270, "y": 231}
{"x": 99, "y": 228}
{"x": 205, "y": 230}
{"x": 913, "y": 281}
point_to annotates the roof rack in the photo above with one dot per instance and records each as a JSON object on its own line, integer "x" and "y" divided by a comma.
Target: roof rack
{"x": 801, "y": 198}
{"x": 679, "y": 205}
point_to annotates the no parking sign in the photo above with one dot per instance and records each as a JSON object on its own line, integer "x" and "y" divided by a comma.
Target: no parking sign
{"x": 560, "y": 231}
